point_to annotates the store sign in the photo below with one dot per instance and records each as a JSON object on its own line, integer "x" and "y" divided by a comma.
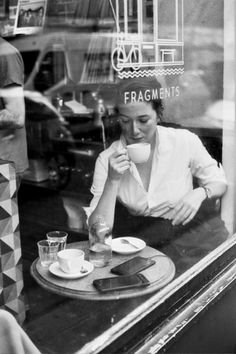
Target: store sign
{"x": 151, "y": 94}
{"x": 30, "y": 16}
{"x": 149, "y": 38}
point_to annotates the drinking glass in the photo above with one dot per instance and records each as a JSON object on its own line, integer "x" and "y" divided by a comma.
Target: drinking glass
{"x": 100, "y": 239}
{"x": 58, "y": 236}
{"x": 47, "y": 252}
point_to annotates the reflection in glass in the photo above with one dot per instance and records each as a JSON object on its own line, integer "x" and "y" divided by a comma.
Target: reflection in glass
{"x": 64, "y": 142}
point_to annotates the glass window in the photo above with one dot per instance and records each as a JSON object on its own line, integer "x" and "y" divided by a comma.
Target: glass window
{"x": 133, "y": 14}
{"x": 167, "y": 18}
{"x": 51, "y": 70}
{"x": 177, "y": 201}
{"x": 148, "y": 18}
{"x": 29, "y": 59}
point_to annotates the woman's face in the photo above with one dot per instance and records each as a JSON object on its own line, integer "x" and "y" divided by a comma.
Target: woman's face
{"x": 138, "y": 122}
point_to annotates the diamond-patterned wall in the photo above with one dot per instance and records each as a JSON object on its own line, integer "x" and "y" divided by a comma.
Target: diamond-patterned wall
{"x": 11, "y": 277}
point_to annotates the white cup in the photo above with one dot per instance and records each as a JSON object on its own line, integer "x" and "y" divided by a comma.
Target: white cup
{"x": 70, "y": 260}
{"x": 139, "y": 153}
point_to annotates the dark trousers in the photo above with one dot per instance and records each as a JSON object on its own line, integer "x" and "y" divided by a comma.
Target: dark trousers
{"x": 185, "y": 245}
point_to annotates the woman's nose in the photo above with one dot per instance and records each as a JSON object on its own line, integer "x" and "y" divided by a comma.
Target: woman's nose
{"x": 135, "y": 128}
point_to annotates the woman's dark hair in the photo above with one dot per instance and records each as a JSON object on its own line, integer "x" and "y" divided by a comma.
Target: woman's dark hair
{"x": 158, "y": 107}
{"x": 145, "y": 89}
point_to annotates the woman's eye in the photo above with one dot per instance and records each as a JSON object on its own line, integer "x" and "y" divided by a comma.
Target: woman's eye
{"x": 144, "y": 120}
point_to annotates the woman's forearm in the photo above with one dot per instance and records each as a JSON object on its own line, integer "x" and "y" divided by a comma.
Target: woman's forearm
{"x": 106, "y": 204}
{"x": 118, "y": 164}
{"x": 216, "y": 189}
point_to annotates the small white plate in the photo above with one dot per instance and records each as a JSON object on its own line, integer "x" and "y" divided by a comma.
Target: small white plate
{"x": 133, "y": 245}
{"x": 56, "y": 270}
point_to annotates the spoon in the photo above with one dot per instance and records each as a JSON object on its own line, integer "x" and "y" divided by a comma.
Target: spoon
{"x": 83, "y": 270}
{"x": 127, "y": 242}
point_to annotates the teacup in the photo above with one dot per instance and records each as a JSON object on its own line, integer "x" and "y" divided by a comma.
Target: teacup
{"x": 139, "y": 153}
{"x": 70, "y": 260}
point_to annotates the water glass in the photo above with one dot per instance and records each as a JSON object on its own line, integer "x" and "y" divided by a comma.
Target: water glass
{"x": 100, "y": 239}
{"x": 58, "y": 236}
{"x": 47, "y": 252}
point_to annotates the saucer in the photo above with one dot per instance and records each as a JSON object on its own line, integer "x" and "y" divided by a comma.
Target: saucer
{"x": 135, "y": 245}
{"x": 56, "y": 270}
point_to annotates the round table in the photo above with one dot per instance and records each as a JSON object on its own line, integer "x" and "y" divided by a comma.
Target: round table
{"x": 159, "y": 274}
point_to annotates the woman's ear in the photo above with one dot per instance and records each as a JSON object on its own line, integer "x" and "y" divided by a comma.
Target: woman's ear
{"x": 160, "y": 114}
{"x": 158, "y": 119}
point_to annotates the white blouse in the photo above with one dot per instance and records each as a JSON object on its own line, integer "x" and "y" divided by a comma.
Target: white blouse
{"x": 179, "y": 155}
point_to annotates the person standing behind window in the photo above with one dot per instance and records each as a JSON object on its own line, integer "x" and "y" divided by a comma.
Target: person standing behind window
{"x": 13, "y": 145}
{"x": 39, "y": 17}
{"x": 30, "y": 19}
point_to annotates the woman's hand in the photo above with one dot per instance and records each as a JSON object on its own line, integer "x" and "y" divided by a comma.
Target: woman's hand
{"x": 186, "y": 208}
{"x": 118, "y": 163}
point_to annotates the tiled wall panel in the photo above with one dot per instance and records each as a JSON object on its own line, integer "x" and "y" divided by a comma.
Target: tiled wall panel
{"x": 11, "y": 277}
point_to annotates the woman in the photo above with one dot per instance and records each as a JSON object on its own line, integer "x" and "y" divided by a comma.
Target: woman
{"x": 161, "y": 205}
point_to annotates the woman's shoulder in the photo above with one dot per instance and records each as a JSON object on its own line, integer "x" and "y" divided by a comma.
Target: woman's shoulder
{"x": 175, "y": 132}
{"x": 174, "y": 138}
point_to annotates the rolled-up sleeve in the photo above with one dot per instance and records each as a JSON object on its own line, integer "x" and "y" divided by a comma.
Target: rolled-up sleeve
{"x": 99, "y": 179}
{"x": 202, "y": 165}
{"x": 100, "y": 175}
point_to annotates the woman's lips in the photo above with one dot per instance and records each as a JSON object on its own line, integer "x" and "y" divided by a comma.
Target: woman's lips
{"x": 137, "y": 139}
